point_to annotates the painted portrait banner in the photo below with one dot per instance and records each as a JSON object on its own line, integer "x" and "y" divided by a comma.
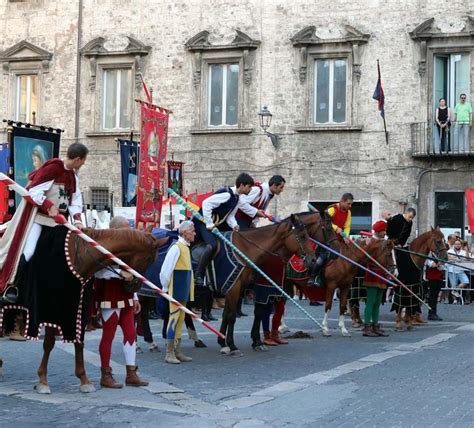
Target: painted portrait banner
{"x": 175, "y": 176}
{"x": 152, "y": 170}
{"x": 129, "y": 159}
{"x": 30, "y": 149}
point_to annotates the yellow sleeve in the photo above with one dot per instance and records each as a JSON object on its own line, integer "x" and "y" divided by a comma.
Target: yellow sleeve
{"x": 331, "y": 211}
{"x": 347, "y": 224}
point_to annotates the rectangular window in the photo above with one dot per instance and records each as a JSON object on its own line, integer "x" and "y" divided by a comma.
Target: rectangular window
{"x": 330, "y": 81}
{"x": 100, "y": 199}
{"x": 223, "y": 95}
{"x": 26, "y": 103}
{"x": 116, "y": 99}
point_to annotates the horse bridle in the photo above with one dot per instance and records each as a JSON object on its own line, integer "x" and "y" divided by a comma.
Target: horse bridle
{"x": 388, "y": 254}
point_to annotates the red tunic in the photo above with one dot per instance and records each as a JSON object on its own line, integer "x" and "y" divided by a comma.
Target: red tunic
{"x": 110, "y": 294}
{"x": 434, "y": 274}
{"x": 340, "y": 217}
{"x": 372, "y": 281}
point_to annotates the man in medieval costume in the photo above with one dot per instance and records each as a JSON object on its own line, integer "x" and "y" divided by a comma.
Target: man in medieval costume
{"x": 340, "y": 214}
{"x": 399, "y": 229}
{"x": 34, "y": 246}
{"x": 218, "y": 211}
{"x": 118, "y": 303}
{"x": 251, "y": 209}
{"x": 177, "y": 279}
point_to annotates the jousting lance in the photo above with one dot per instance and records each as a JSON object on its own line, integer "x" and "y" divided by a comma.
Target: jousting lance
{"x": 60, "y": 219}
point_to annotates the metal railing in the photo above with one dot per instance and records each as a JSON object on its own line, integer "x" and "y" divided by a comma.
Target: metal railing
{"x": 428, "y": 139}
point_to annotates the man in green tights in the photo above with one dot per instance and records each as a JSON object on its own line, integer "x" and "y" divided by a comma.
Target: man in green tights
{"x": 375, "y": 289}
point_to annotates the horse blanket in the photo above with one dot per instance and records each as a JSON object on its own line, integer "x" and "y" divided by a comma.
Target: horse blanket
{"x": 411, "y": 276}
{"x": 296, "y": 271}
{"x": 51, "y": 293}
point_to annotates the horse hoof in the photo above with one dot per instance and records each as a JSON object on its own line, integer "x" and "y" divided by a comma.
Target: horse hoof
{"x": 86, "y": 388}
{"x": 41, "y": 388}
{"x": 235, "y": 353}
{"x": 225, "y": 350}
{"x": 326, "y": 333}
{"x": 260, "y": 348}
{"x": 346, "y": 334}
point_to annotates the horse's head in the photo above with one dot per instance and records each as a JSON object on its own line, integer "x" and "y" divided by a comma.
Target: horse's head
{"x": 382, "y": 251}
{"x": 143, "y": 251}
{"x": 297, "y": 240}
{"x": 319, "y": 227}
{"x": 437, "y": 244}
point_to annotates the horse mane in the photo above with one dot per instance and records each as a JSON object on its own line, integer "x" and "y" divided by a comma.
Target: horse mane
{"x": 126, "y": 234}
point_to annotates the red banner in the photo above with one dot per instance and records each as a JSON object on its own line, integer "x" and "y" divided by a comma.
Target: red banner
{"x": 152, "y": 171}
{"x": 470, "y": 208}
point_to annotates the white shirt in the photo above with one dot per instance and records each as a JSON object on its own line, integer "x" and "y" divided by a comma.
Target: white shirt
{"x": 454, "y": 253}
{"x": 216, "y": 200}
{"x": 250, "y": 202}
{"x": 38, "y": 194}
{"x": 169, "y": 264}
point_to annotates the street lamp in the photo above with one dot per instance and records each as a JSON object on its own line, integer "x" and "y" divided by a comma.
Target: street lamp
{"x": 265, "y": 118}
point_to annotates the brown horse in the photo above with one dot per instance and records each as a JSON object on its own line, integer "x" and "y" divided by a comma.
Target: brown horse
{"x": 410, "y": 268}
{"x": 288, "y": 237}
{"x": 340, "y": 273}
{"x": 135, "y": 248}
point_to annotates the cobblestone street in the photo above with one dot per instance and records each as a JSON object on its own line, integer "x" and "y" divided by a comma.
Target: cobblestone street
{"x": 420, "y": 378}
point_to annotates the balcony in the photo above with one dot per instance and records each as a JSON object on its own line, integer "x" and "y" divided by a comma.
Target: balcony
{"x": 427, "y": 141}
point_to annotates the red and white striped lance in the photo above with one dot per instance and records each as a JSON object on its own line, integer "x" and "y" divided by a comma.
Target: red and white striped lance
{"x": 60, "y": 219}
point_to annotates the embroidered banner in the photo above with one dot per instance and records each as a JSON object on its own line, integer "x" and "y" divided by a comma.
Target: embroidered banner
{"x": 130, "y": 159}
{"x": 175, "y": 176}
{"x": 152, "y": 170}
{"x": 470, "y": 208}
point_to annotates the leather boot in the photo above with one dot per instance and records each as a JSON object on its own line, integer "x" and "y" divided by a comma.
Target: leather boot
{"x": 378, "y": 330}
{"x": 107, "y": 380}
{"x": 267, "y": 340}
{"x": 202, "y": 266}
{"x": 179, "y": 355}
{"x": 198, "y": 343}
{"x": 355, "y": 317}
{"x": 398, "y": 323}
{"x": 408, "y": 321}
{"x": 132, "y": 378}
{"x": 368, "y": 331}
{"x": 276, "y": 338}
{"x": 170, "y": 356}
{"x": 417, "y": 320}
{"x": 16, "y": 334}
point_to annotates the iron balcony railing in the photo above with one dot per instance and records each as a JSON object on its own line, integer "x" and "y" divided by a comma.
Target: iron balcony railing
{"x": 427, "y": 139}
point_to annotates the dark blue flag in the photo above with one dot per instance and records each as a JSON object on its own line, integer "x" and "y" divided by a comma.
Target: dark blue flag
{"x": 379, "y": 95}
{"x": 129, "y": 155}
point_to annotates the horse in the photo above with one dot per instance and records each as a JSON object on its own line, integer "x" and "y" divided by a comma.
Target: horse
{"x": 410, "y": 269}
{"x": 80, "y": 262}
{"x": 288, "y": 237}
{"x": 276, "y": 268}
{"x": 340, "y": 273}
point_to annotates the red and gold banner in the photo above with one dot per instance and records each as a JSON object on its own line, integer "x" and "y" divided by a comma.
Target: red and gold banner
{"x": 152, "y": 171}
{"x": 175, "y": 176}
{"x": 470, "y": 208}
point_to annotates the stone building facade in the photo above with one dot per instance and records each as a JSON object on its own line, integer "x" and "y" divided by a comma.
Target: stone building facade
{"x": 215, "y": 63}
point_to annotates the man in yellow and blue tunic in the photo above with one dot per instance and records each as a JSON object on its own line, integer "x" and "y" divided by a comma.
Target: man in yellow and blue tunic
{"x": 177, "y": 279}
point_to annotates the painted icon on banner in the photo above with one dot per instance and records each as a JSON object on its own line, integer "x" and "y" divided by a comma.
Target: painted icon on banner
{"x": 175, "y": 176}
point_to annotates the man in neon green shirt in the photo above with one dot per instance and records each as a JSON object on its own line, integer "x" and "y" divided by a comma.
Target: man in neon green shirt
{"x": 463, "y": 122}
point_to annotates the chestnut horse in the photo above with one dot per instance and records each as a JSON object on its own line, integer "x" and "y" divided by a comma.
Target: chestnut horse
{"x": 340, "y": 273}
{"x": 410, "y": 269}
{"x": 288, "y": 237}
{"x": 135, "y": 248}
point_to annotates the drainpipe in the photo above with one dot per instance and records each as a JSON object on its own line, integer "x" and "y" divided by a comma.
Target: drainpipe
{"x": 78, "y": 72}
{"x": 417, "y": 198}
